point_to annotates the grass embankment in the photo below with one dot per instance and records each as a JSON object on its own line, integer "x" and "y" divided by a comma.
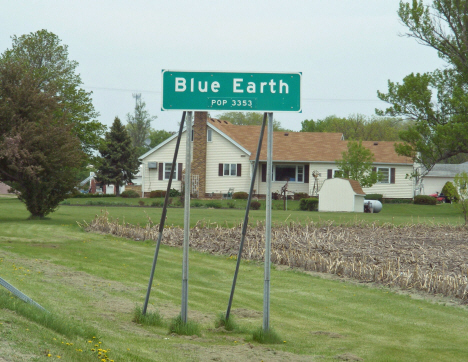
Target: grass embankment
{"x": 98, "y": 280}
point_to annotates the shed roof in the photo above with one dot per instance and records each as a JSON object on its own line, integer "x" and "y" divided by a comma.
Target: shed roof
{"x": 355, "y": 185}
{"x": 304, "y": 146}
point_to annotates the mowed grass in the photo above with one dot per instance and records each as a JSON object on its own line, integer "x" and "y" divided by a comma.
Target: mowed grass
{"x": 98, "y": 280}
{"x": 399, "y": 214}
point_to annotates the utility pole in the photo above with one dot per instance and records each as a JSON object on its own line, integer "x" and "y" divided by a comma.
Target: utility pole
{"x": 137, "y": 97}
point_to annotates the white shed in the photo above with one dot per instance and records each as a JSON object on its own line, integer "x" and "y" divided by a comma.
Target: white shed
{"x": 338, "y": 194}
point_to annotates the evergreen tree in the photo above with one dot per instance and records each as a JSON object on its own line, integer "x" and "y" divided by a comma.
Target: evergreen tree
{"x": 119, "y": 160}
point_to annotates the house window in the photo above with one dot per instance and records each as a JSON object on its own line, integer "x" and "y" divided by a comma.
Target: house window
{"x": 300, "y": 174}
{"x": 167, "y": 171}
{"x": 384, "y": 173}
{"x": 192, "y": 135}
{"x": 289, "y": 173}
{"x": 230, "y": 169}
{"x": 209, "y": 135}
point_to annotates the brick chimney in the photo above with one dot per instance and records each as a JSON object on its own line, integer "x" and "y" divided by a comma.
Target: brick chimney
{"x": 199, "y": 150}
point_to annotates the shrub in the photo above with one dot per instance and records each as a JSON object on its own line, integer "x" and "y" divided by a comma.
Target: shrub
{"x": 377, "y": 197}
{"x": 157, "y": 193}
{"x": 129, "y": 194}
{"x": 173, "y": 193}
{"x": 240, "y": 195}
{"x": 141, "y": 203}
{"x": 157, "y": 203}
{"x": 213, "y": 204}
{"x": 450, "y": 192}
{"x": 231, "y": 204}
{"x": 83, "y": 196}
{"x": 255, "y": 205}
{"x": 275, "y": 195}
{"x": 309, "y": 204}
{"x": 424, "y": 200}
{"x": 397, "y": 201}
{"x": 196, "y": 204}
{"x": 300, "y": 195}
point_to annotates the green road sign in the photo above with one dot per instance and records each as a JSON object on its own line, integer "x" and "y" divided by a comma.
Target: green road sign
{"x": 235, "y": 91}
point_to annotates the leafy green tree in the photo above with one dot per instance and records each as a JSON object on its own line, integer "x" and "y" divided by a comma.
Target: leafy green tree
{"x": 358, "y": 127}
{"x": 38, "y": 152}
{"x": 43, "y": 54}
{"x": 356, "y": 164}
{"x": 461, "y": 183}
{"x": 248, "y": 119}
{"x": 436, "y": 101}
{"x": 158, "y": 136}
{"x": 139, "y": 126}
{"x": 119, "y": 162}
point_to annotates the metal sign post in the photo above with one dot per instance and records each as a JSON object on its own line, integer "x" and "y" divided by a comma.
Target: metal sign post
{"x": 163, "y": 214}
{"x": 188, "y": 166}
{"x": 266, "y": 285}
{"x": 231, "y": 91}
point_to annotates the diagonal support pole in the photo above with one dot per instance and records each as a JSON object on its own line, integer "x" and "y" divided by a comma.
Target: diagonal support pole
{"x": 246, "y": 217}
{"x": 266, "y": 285}
{"x": 164, "y": 212}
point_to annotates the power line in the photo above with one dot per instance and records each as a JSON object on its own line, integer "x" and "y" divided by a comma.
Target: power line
{"x": 303, "y": 99}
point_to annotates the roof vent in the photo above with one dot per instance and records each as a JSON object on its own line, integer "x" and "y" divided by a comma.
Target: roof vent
{"x": 225, "y": 122}
{"x": 286, "y": 134}
{"x": 376, "y": 143}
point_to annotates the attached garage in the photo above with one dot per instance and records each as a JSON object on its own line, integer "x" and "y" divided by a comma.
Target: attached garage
{"x": 338, "y": 194}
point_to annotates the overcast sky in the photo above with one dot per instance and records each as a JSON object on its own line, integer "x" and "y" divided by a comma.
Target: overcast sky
{"x": 345, "y": 49}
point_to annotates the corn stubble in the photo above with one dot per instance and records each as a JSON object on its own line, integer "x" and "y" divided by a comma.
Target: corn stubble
{"x": 429, "y": 258}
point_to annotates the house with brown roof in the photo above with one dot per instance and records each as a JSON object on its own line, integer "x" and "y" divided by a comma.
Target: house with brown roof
{"x": 224, "y": 154}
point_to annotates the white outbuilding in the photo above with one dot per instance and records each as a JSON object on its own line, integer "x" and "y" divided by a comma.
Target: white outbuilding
{"x": 339, "y": 194}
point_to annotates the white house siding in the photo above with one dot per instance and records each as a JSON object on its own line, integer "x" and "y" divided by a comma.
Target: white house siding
{"x": 434, "y": 184}
{"x": 164, "y": 154}
{"x": 220, "y": 150}
{"x": 402, "y": 188}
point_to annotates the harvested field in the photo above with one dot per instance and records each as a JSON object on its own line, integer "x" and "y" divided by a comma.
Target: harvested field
{"x": 433, "y": 259}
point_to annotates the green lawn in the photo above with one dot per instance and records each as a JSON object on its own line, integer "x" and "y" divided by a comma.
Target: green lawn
{"x": 391, "y": 213}
{"x": 96, "y": 281}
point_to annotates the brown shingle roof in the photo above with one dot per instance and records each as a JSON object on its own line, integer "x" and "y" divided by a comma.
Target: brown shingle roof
{"x": 304, "y": 146}
{"x": 356, "y": 187}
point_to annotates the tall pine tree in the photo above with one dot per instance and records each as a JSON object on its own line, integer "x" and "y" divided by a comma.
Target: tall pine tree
{"x": 119, "y": 160}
